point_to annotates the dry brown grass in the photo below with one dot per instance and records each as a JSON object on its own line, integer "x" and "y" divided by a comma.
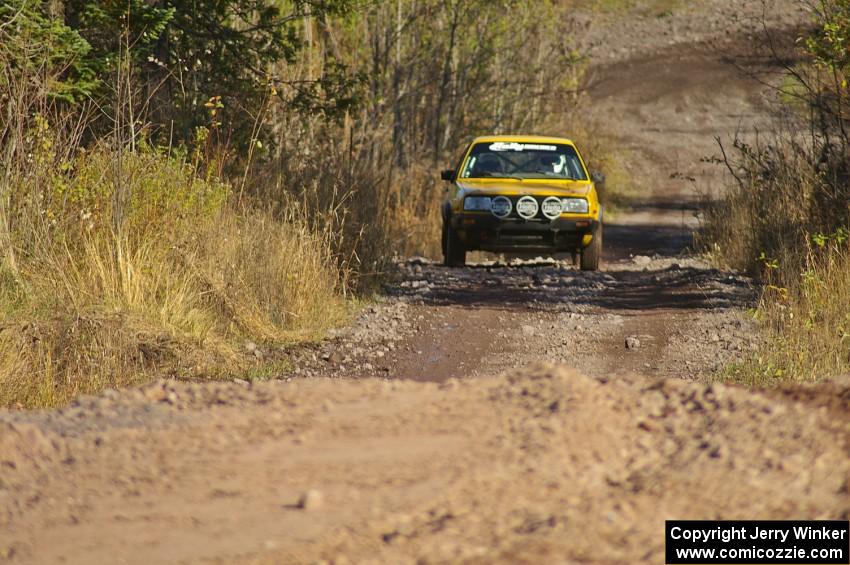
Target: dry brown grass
{"x": 175, "y": 291}
{"x": 807, "y": 327}
{"x": 121, "y": 262}
{"x": 774, "y": 205}
{"x": 785, "y": 222}
{"x": 787, "y": 217}
{"x": 267, "y": 277}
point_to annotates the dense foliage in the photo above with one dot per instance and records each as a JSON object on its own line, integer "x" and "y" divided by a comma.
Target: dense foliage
{"x": 177, "y": 54}
{"x": 787, "y": 217}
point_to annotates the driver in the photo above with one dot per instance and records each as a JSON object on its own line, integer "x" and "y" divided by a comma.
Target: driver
{"x": 552, "y": 163}
{"x": 487, "y": 165}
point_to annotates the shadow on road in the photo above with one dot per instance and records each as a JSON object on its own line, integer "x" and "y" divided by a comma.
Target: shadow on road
{"x": 548, "y": 285}
{"x": 647, "y": 265}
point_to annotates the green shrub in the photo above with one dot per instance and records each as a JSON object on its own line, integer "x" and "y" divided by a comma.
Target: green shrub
{"x": 786, "y": 217}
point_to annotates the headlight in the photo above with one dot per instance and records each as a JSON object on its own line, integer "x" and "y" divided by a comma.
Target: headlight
{"x": 574, "y": 206}
{"x": 477, "y": 203}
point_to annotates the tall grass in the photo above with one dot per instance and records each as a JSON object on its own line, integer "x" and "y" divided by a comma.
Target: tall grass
{"x": 810, "y": 323}
{"x": 175, "y": 290}
{"x": 806, "y": 326}
{"x": 786, "y": 189}
{"x": 121, "y": 261}
{"x": 787, "y": 217}
{"x": 344, "y": 178}
{"x": 785, "y": 220}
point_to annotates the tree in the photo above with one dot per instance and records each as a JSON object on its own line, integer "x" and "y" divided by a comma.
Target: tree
{"x": 185, "y": 53}
{"x": 40, "y": 48}
{"x": 829, "y": 44}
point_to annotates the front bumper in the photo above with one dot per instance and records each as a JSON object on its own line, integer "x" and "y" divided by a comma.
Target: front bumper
{"x": 486, "y": 232}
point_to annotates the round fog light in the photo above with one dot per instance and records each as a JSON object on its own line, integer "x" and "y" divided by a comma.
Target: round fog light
{"x": 501, "y": 207}
{"x": 551, "y": 207}
{"x": 527, "y": 207}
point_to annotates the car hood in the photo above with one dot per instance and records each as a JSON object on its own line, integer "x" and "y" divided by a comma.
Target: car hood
{"x": 534, "y": 187}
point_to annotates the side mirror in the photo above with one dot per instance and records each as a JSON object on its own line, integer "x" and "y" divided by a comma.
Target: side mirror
{"x": 447, "y": 175}
{"x": 597, "y": 177}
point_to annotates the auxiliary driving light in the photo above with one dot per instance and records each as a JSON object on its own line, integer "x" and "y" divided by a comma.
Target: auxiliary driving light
{"x": 527, "y": 207}
{"x": 501, "y": 207}
{"x": 551, "y": 207}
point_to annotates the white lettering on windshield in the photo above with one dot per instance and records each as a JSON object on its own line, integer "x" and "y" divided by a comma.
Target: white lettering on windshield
{"x": 513, "y": 146}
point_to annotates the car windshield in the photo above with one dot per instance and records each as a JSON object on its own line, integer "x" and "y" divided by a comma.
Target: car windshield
{"x": 523, "y": 161}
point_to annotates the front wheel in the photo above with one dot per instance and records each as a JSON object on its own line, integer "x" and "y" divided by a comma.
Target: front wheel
{"x": 454, "y": 252}
{"x": 591, "y": 254}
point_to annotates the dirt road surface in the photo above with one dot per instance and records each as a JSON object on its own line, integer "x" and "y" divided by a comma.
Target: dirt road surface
{"x": 492, "y": 414}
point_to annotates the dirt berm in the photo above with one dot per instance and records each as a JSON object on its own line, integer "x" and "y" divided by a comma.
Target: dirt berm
{"x": 538, "y": 466}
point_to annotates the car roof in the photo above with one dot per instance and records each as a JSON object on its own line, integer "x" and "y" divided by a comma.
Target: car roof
{"x": 521, "y": 139}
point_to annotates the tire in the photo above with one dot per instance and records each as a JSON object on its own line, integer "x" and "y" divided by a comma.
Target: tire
{"x": 454, "y": 253}
{"x": 591, "y": 254}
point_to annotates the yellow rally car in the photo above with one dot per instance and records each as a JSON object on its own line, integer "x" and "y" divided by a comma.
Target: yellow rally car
{"x": 519, "y": 194}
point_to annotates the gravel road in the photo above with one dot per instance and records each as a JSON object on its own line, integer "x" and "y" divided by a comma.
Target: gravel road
{"x": 507, "y": 412}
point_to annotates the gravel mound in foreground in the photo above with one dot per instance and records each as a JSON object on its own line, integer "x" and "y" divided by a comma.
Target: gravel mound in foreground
{"x": 538, "y": 465}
